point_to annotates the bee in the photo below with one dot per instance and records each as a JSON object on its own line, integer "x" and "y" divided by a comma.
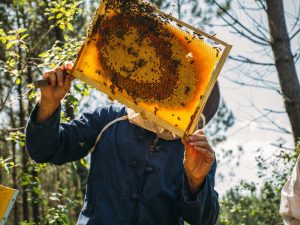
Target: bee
{"x": 187, "y": 90}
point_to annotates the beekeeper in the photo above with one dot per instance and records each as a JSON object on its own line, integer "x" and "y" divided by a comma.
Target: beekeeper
{"x": 139, "y": 173}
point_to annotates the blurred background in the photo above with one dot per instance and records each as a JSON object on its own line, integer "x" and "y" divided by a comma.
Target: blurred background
{"x": 254, "y": 133}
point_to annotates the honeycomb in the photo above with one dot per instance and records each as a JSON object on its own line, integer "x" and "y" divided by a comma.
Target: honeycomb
{"x": 145, "y": 60}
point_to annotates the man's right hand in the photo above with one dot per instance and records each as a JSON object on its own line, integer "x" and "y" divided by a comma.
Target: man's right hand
{"x": 52, "y": 95}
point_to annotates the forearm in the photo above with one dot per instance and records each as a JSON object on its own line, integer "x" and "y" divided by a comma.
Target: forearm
{"x": 42, "y": 137}
{"x": 195, "y": 184}
{"x": 45, "y": 110}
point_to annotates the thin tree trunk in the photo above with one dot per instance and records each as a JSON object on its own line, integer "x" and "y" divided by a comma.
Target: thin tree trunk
{"x": 34, "y": 173}
{"x": 24, "y": 158}
{"x": 16, "y": 212}
{"x": 284, "y": 63}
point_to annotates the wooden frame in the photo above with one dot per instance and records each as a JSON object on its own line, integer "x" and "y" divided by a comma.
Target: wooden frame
{"x": 214, "y": 75}
{"x": 8, "y": 198}
{"x": 150, "y": 115}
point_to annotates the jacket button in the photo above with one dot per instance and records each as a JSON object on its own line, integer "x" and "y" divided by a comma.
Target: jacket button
{"x": 135, "y": 196}
{"x": 149, "y": 169}
{"x": 159, "y": 148}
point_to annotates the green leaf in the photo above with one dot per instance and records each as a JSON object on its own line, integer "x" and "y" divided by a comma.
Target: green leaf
{"x": 18, "y": 81}
{"x": 84, "y": 163}
{"x": 70, "y": 27}
{"x": 62, "y": 26}
{"x": 22, "y": 30}
{"x": 11, "y": 44}
{"x": 59, "y": 15}
{"x": 86, "y": 92}
{"x": 3, "y": 40}
{"x": 44, "y": 54}
{"x": 24, "y": 36}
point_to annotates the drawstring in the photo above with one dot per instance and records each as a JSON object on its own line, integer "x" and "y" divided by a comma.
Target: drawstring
{"x": 125, "y": 118}
{"x": 104, "y": 129}
{"x": 203, "y": 120}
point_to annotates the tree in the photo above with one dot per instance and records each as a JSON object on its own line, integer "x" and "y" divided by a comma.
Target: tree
{"x": 250, "y": 204}
{"x": 267, "y": 30}
{"x": 28, "y": 29}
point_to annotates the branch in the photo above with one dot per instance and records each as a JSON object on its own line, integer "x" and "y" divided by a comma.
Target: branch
{"x": 23, "y": 67}
{"x": 251, "y": 85}
{"x": 295, "y": 34}
{"x": 8, "y": 94}
{"x": 264, "y": 41}
{"x": 249, "y": 61}
{"x": 257, "y": 24}
{"x": 262, "y": 5}
{"x": 296, "y": 22}
{"x": 275, "y": 111}
{"x": 272, "y": 121}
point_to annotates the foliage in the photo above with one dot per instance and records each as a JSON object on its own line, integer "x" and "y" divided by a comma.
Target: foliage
{"x": 58, "y": 213}
{"x": 63, "y": 12}
{"x": 249, "y": 204}
{"x": 47, "y": 41}
{"x": 6, "y": 164}
{"x": 17, "y": 137}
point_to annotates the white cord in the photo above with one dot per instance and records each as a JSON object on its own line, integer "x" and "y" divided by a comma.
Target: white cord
{"x": 104, "y": 129}
{"x": 203, "y": 120}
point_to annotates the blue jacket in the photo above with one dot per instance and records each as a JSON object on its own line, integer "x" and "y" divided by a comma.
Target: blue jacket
{"x": 128, "y": 183}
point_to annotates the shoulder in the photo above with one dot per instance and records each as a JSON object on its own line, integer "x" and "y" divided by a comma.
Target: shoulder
{"x": 111, "y": 111}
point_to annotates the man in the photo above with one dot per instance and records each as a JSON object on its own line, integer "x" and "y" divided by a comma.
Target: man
{"x": 136, "y": 176}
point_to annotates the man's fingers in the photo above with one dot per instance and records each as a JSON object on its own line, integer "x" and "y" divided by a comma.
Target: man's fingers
{"x": 204, "y": 151}
{"x": 197, "y": 137}
{"x": 51, "y": 76}
{"x": 68, "y": 66}
{"x": 59, "y": 77}
{"x": 202, "y": 144}
{"x": 67, "y": 83}
{"x": 200, "y": 131}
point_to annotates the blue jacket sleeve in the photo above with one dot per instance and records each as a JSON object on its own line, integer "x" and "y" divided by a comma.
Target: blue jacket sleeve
{"x": 59, "y": 143}
{"x": 203, "y": 208}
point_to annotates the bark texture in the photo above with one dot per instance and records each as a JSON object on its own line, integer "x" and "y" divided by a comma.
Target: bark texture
{"x": 284, "y": 62}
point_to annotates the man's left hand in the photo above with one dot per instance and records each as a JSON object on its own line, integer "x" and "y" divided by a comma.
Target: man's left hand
{"x": 198, "y": 159}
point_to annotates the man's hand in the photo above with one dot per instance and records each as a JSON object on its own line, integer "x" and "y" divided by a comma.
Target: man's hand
{"x": 52, "y": 95}
{"x": 198, "y": 159}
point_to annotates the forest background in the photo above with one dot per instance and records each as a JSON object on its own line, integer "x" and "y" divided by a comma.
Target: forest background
{"x": 36, "y": 34}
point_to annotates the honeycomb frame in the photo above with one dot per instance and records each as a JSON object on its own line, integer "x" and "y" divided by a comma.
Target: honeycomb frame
{"x": 152, "y": 114}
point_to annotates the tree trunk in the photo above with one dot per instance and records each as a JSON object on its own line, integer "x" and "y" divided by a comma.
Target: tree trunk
{"x": 21, "y": 115}
{"x": 34, "y": 173}
{"x": 285, "y": 65}
{"x": 14, "y": 170}
{"x": 24, "y": 158}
